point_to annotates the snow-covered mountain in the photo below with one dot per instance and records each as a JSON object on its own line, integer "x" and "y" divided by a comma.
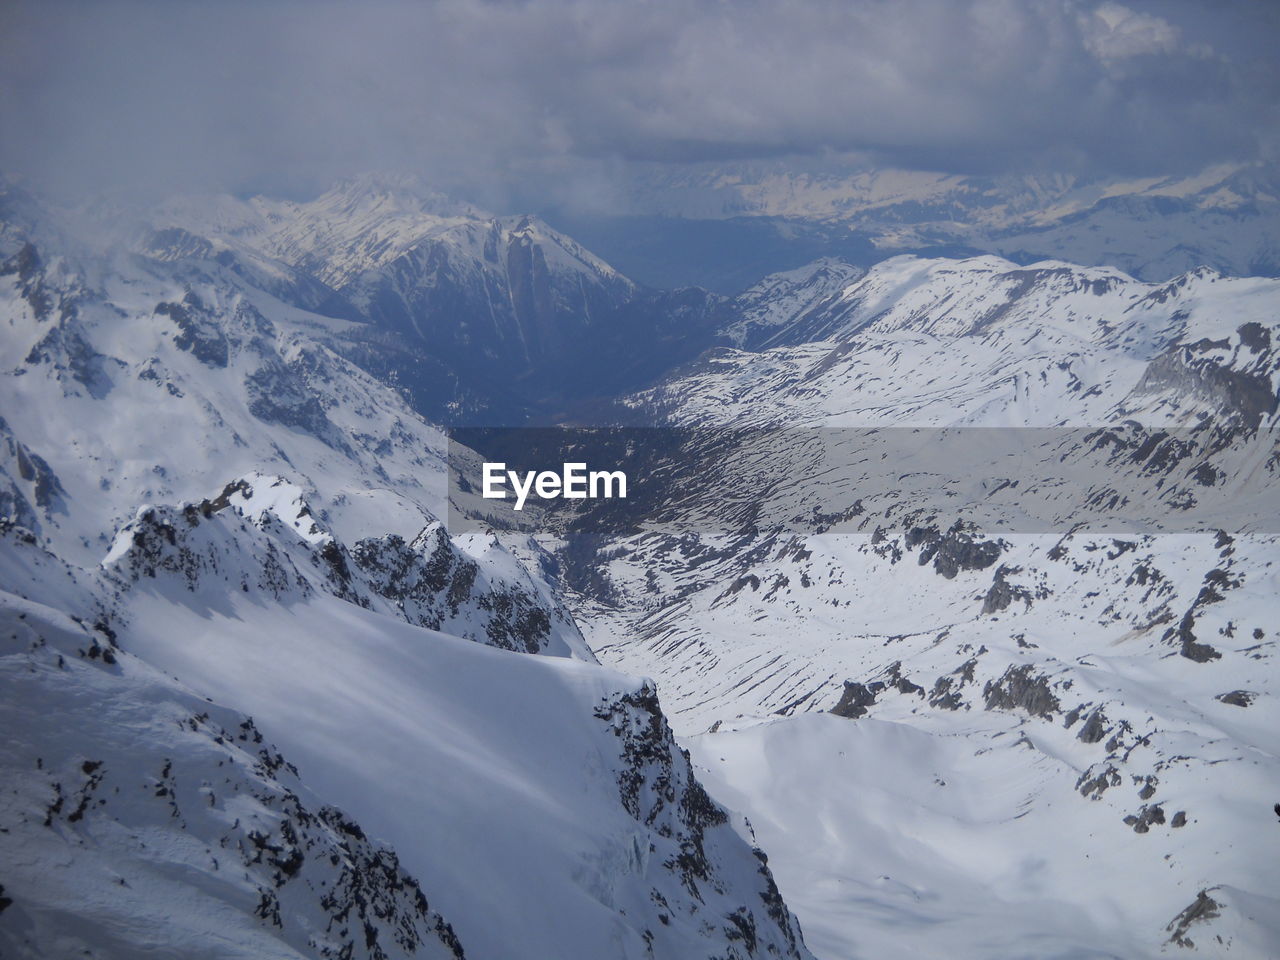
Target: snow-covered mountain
{"x": 985, "y": 342}
{"x": 259, "y": 702}
{"x": 267, "y": 705}
{"x": 479, "y": 316}
{"x": 139, "y": 815}
{"x": 148, "y": 813}
{"x": 1031, "y": 722}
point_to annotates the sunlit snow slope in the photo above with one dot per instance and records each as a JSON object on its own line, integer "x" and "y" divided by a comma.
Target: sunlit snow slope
{"x": 1044, "y": 744}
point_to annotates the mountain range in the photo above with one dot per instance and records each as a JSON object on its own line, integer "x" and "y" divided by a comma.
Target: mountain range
{"x": 745, "y": 220}
{"x": 268, "y": 701}
{"x": 215, "y": 520}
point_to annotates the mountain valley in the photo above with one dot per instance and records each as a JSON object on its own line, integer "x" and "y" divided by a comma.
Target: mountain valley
{"x": 980, "y": 661}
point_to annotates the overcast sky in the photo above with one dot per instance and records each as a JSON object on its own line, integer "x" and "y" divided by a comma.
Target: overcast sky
{"x": 239, "y": 96}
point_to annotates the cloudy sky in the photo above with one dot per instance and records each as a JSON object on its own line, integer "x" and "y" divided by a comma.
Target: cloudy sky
{"x": 287, "y": 96}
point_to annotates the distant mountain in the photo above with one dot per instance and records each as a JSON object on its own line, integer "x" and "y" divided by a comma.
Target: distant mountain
{"x": 1153, "y": 228}
{"x": 791, "y": 306}
{"x": 479, "y": 317}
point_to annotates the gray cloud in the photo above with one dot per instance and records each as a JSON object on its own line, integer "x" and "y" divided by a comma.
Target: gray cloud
{"x": 288, "y": 95}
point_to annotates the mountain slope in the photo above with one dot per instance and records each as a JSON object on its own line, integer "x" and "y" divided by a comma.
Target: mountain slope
{"x": 142, "y": 819}
{"x": 555, "y": 792}
{"x": 244, "y": 515}
{"x": 979, "y": 342}
{"x": 513, "y": 315}
{"x": 896, "y": 571}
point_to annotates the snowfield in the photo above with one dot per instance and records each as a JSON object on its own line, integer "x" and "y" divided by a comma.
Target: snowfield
{"x": 1098, "y": 697}
{"x": 911, "y": 843}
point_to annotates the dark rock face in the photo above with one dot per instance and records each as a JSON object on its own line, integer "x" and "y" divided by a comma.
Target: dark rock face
{"x": 658, "y": 789}
{"x": 858, "y": 698}
{"x": 194, "y": 543}
{"x": 278, "y": 395}
{"x": 1237, "y": 698}
{"x": 198, "y": 333}
{"x": 1097, "y": 779}
{"x": 954, "y": 550}
{"x": 1145, "y": 818}
{"x": 28, "y": 269}
{"x": 1244, "y": 397}
{"x": 855, "y": 701}
{"x": 434, "y": 584}
{"x": 652, "y": 787}
{"x": 75, "y": 361}
{"x": 1095, "y": 727}
{"x": 1003, "y": 593}
{"x": 1149, "y": 784}
{"x": 1201, "y": 910}
{"x": 944, "y": 696}
{"x": 1255, "y": 336}
{"x": 946, "y": 693}
{"x": 1189, "y": 648}
{"x": 29, "y": 489}
{"x": 374, "y": 895}
{"x": 427, "y": 580}
{"x": 1018, "y": 689}
{"x": 1216, "y": 583}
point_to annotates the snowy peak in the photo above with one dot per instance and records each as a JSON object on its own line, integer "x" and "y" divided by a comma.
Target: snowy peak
{"x": 390, "y": 195}
{"x": 475, "y": 318}
{"x": 987, "y": 342}
{"x": 455, "y": 301}
{"x": 220, "y": 379}
{"x": 255, "y": 496}
{"x": 368, "y": 222}
{"x": 475, "y": 591}
{"x": 258, "y": 536}
{"x": 960, "y": 298}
